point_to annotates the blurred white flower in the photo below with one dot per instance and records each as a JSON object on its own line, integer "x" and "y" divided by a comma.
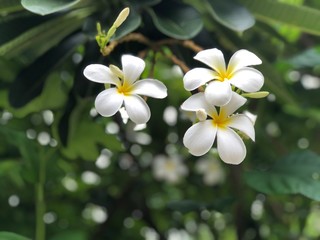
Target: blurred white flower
{"x": 220, "y": 78}
{"x": 200, "y": 137}
{"x": 178, "y": 234}
{"x": 170, "y": 169}
{"x": 127, "y": 89}
{"x": 211, "y": 169}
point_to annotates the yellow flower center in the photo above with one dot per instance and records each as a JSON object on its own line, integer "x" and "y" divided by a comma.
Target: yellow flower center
{"x": 169, "y": 165}
{"x": 220, "y": 120}
{"x": 224, "y": 75}
{"x": 125, "y": 89}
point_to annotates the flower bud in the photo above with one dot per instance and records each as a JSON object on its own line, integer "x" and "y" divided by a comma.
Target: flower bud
{"x": 201, "y": 115}
{"x": 116, "y": 71}
{"x": 261, "y": 94}
{"x": 121, "y": 17}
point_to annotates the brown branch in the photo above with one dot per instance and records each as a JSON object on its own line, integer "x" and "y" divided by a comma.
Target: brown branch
{"x": 191, "y": 45}
{"x": 178, "y": 62}
{"x": 140, "y": 38}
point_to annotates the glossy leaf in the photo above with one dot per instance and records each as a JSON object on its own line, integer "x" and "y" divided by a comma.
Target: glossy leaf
{"x": 44, "y": 7}
{"x": 12, "y": 236}
{"x": 176, "y": 20}
{"x": 305, "y": 18}
{"x": 231, "y": 14}
{"x": 296, "y": 173}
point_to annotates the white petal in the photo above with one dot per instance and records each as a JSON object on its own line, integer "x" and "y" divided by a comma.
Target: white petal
{"x": 108, "y": 102}
{"x": 242, "y": 58}
{"x": 244, "y": 124}
{"x": 231, "y": 148}
{"x": 213, "y": 58}
{"x": 137, "y": 109}
{"x": 218, "y": 93}
{"x": 132, "y": 68}
{"x": 197, "y": 102}
{"x": 150, "y": 87}
{"x": 251, "y": 116}
{"x": 197, "y": 77}
{"x": 101, "y": 74}
{"x": 200, "y": 137}
{"x": 247, "y": 79}
{"x": 235, "y": 102}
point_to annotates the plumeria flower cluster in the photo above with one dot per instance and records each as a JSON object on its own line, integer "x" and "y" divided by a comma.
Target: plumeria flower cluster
{"x": 224, "y": 91}
{"x": 126, "y": 88}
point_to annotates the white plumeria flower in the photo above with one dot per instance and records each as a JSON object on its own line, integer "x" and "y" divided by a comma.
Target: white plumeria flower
{"x": 211, "y": 169}
{"x": 220, "y": 78}
{"x": 127, "y": 89}
{"x": 200, "y": 137}
{"x": 169, "y": 169}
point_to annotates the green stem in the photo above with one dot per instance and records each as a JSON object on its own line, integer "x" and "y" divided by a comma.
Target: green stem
{"x": 40, "y": 203}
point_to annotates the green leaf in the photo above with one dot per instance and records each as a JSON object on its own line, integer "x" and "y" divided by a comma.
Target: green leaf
{"x": 305, "y": 18}
{"x": 11, "y": 169}
{"x": 44, "y": 7}
{"x": 70, "y": 235}
{"x": 176, "y": 20}
{"x": 231, "y": 14}
{"x": 39, "y": 39}
{"x": 85, "y": 135}
{"x": 28, "y": 150}
{"x": 308, "y": 58}
{"x": 13, "y": 25}
{"x": 144, "y": 3}
{"x": 186, "y": 206}
{"x": 296, "y": 173}
{"x": 12, "y": 236}
{"x": 9, "y": 6}
{"x": 274, "y": 82}
{"x": 29, "y": 83}
{"x": 52, "y": 97}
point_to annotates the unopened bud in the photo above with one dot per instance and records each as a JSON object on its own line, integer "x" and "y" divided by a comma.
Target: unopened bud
{"x": 256, "y": 94}
{"x": 201, "y": 115}
{"x": 121, "y": 17}
{"x": 116, "y": 71}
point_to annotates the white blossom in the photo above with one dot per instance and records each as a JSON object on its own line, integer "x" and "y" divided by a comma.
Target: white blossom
{"x": 211, "y": 169}
{"x": 200, "y": 137}
{"x": 169, "y": 168}
{"x": 127, "y": 89}
{"x": 220, "y": 78}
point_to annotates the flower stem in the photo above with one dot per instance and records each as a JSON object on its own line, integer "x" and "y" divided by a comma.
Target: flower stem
{"x": 40, "y": 203}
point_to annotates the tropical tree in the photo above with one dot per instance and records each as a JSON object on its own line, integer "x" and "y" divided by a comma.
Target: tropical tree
{"x": 159, "y": 119}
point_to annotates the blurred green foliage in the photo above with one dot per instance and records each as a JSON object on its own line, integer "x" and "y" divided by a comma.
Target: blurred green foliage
{"x": 99, "y": 179}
